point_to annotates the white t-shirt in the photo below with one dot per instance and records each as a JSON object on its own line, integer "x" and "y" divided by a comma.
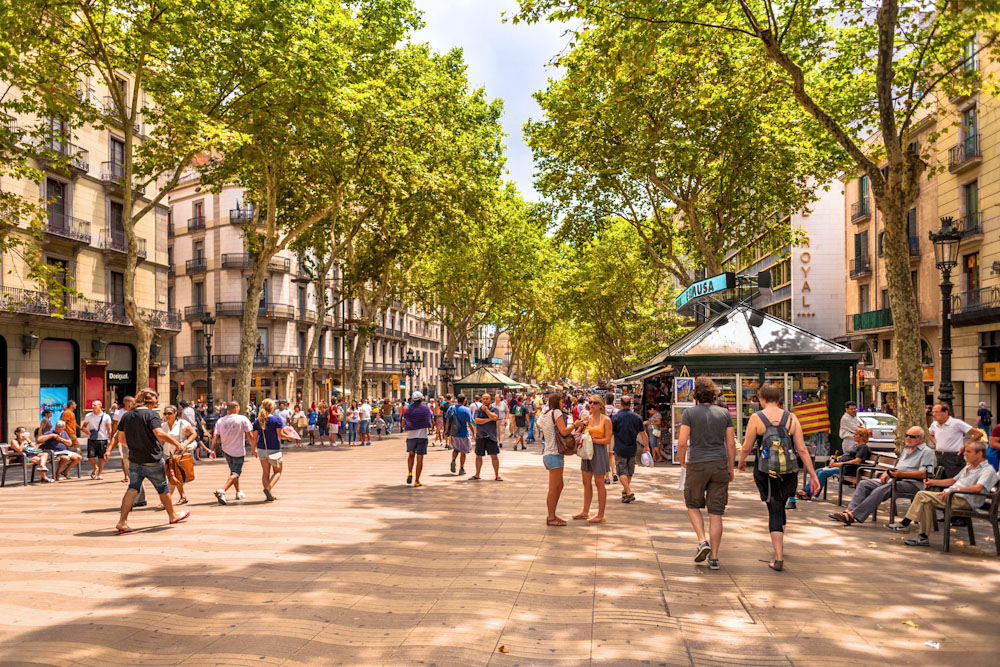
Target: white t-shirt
{"x": 179, "y": 431}
{"x": 352, "y": 415}
{"x": 119, "y": 414}
{"x": 500, "y": 408}
{"x": 548, "y": 426}
{"x": 101, "y": 422}
{"x": 949, "y": 436}
{"x": 365, "y": 411}
{"x": 188, "y": 414}
{"x": 231, "y": 430}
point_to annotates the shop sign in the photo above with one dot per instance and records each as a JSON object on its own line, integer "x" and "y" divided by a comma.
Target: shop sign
{"x": 119, "y": 377}
{"x": 991, "y": 372}
{"x": 928, "y": 372}
{"x": 888, "y": 387}
{"x": 719, "y": 283}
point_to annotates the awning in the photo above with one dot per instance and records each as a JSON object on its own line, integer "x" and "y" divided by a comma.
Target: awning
{"x": 639, "y": 376}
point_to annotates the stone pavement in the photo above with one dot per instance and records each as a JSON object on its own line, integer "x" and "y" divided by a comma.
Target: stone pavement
{"x": 351, "y": 566}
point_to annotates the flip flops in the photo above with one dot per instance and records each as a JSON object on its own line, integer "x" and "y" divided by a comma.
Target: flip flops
{"x": 125, "y": 530}
{"x": 181, "y": 517}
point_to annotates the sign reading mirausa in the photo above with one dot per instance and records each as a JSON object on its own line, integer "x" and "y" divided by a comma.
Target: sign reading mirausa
{"x": 718, "y": 283}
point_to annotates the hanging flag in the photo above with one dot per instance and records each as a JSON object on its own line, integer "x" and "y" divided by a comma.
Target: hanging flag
{"x": 814, "y": 417}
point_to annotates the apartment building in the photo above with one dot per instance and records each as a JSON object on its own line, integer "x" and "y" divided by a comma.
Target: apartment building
{"x": 209, "y": 268}
{"x": 807, "y": 286}
{"x": 88, "y": 351}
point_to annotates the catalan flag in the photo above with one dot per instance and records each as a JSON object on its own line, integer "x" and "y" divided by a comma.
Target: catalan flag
{"x": 814, "y": 417}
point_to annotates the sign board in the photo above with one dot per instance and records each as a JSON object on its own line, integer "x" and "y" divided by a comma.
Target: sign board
{"x": 395, "y": 382}
{"x": 719, "y": 283}
{"x": 888, "y": 387}
{"x": 991, "y": 372}
{"x": 54, "y": 399}
{"x": 119, "y": 377}
{"x": 928, "y": 373}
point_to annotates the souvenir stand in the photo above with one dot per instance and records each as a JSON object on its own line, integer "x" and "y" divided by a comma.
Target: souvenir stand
{"x": 484, "y": 380}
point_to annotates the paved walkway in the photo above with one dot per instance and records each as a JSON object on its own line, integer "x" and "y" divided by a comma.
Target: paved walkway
{"x": 351, "y": 566}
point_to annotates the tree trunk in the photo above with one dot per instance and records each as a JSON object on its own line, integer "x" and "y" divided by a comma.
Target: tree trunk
{"x": 359, "y": 351}
{"x": 317, "y": 330}
{"x": 248, "y": 330}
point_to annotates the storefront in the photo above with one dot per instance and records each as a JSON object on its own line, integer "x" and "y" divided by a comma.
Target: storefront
{"x": 120, "y": 375}
{"x": 59, "y": 373}
{"x": 741, "y": 350}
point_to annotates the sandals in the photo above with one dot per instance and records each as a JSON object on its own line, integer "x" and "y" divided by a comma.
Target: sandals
{"x": 596, "y": 520}
{"x": 181, "y": 517}
{"x": 581, "y": 517}
{"x": 181, "y": 501}
{"x": 802, "y": 495}
{"x": 124, "y": 531}
{"x": 555, "y": 522}
{"x": 842, "y": 517}
{"x": 776, "y": 565}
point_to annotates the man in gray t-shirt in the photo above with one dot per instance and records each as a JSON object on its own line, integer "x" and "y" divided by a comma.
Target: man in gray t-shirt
{"x": 708, "y": 430}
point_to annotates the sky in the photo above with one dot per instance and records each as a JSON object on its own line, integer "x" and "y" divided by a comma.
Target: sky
{"x": 509, "y": 61}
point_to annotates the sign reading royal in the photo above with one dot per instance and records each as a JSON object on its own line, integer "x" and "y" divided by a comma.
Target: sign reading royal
{"x": 719, "y": 283}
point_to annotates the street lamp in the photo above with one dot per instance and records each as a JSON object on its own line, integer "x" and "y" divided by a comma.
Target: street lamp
{"x": 208, "y": 324}
{"x": 946, "y": 241}
{"x": 447, "y": 369}
{"x": 411, "y": 362}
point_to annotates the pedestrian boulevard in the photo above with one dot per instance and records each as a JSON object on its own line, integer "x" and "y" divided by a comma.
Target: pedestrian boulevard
{"x": 352, "y": 566}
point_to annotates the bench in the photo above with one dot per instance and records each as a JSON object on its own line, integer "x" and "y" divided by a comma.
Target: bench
{"x": 877, "y": 462}
{"x": 11, "y": 460}
{"x": 988, "y": 512}
{"x": 897, "y": 494}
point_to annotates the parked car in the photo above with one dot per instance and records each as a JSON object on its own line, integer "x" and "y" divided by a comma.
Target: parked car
{"x": 882, "y": 429}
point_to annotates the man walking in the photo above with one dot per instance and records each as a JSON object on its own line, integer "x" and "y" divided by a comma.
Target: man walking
{"x": 231, "y": 432}
{"x": 530, "y": 409}
{"x": 627, "y": 427}
{"x": 141, "y": 432}
{"x": 365, "y": 413}
{"x": 97, "y": 423}
{"x": 462, "y": 417}
{"x": 126, "y": 405}
{"x": 486, "y": 437}
{"x": 520, "y": 423}
{"x": 948, "y": 436}
{"x": 708, "y": 430}
{"x": 417, "y": 419}
{"x": 72, "y": 428}
{"x": 502, "y": 410}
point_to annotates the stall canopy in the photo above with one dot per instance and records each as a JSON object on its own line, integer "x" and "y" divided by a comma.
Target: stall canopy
{"x": 486, "y": 378}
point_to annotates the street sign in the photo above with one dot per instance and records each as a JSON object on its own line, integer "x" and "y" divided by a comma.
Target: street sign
{"x": 395, "y": 382}
{"x": 719, "y": 283}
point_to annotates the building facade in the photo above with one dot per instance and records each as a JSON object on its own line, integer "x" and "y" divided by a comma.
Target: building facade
{"x": 84, "y": 350}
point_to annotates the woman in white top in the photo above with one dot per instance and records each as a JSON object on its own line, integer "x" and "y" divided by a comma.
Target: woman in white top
{"x": 553, "y": 419}
{"x": 184, "y": 433}
{"x": 299, "y": 420}
{"x": 353, "y": 419}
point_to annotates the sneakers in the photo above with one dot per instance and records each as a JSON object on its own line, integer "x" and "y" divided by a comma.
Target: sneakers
{"x": 713, "y": 564}
{"x": 409, "y": 478}
{"x": 240, "y": 495}
{"x": 416, "y": 484}
{"x": 790, "y": 505}
{"x": 896, "y": 527}
{"x": 702, "y": 553}
{"x": 918, "y": 541}
{"x": 220, "y": 495}
{"x": 461, "y": 471}
{"x": 453, "y": 466}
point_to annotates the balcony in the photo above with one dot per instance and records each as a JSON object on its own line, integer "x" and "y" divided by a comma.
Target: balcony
{"x": 56, "y": 154}
{"x": 278, "y": 311}
{"x": 196, "y": 223}
{"x": 280, "y": 264}
{"x": 965, "y": 155}
{"x": 972, "y": 226}
{"x": 198, "y": 361}
{"x": 170, "y": 230}
{"x": 874, "y": 319}
{"x": 236, "y": 260}
{"x": 29, "y": 302}
{"x": 111, "y": 113}
{"x": 113, "y": 175}
{"x": 68, "y": 227}
{"x": 230, "y": 308}
{"x": 980, "y": 306}
{"x": 240, "y": 216}
{"x": 861, "y": 267}
{"x": 195, "y": 312}
{"x": 196, "y": 265}
{"x": 860, "y": 211}
{"x": 113, "y": 240}
{"x": 307, "y": 315}
{"x": 389, "y": 333}
{"x": 382, "y": 367}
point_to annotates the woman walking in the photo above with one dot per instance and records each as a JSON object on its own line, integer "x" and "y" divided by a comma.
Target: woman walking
{"x": 265, "y": 443}
{"x": 653, "y": 427}
{"x": 322, "y": 421}
{"x": 554, "y": 419}
{"x": 775, "y": 489}
{"x": 353, "y": 420}
{"x": 185, "y": 434}
{"x": 336, "y": 420}
{"x": 598, "y": 426}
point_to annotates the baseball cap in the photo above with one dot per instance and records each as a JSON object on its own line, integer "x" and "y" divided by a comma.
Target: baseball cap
{"x": 416, "y": 396}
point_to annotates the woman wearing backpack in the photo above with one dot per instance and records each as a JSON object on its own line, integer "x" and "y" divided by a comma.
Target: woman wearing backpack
{"x": 775, "y": 488}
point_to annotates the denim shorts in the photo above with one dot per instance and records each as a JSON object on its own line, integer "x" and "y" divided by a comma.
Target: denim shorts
{"x": 417, "y": 446}
{"x": 235, "y": 464}
{"x": 553, "y": 461}
{"x": 154, "y": 472}
{"x": 366, "y": 425}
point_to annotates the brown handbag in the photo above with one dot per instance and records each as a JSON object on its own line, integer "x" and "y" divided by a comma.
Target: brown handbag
{"x": 566, "y": 444}
{"x": 183, "y": 467}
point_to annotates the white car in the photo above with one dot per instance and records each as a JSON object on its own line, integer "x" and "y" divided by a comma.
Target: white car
{"x": 882, "y": 429}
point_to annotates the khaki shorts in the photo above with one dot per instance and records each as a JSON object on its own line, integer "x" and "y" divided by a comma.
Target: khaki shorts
{"x": 707, "y": 484}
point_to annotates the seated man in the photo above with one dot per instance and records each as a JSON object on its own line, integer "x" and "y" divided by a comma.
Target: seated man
{"x": 57, "y": 442}
{"x": 977, "y": 476}
{"x": 848, "y": 463}
{"x": 22, "y": 445}
{"x": 914, "y": 466}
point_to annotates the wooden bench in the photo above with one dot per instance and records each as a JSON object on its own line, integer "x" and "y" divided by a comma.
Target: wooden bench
{"x": 877, "y": 462}
{"x": 988, "y": 512}
{"x": 897, "y": 494}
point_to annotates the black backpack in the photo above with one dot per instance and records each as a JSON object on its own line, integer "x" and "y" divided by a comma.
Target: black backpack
{"x": 775, "y": 450}
{"x": 454, "y": 426}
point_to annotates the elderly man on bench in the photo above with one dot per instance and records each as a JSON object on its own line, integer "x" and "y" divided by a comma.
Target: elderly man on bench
{"x": 977, "y": 476}
{"x": 914, "y": 466}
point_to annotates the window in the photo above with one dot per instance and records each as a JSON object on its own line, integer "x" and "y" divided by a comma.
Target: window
{"x": 170, "y": 297}
{"x": 970, "y": 55}
{"x": 60, "y": 268}
{"x": 863, "y": 293}
{"x": 198, "y": 343}
{"x": 55, "y": 194}
{"x": 970, "y": 202}
{"x": 969, "y": 123}
{"x": 926, "y": 355}
{"x": 261, "y": 352}
{"x": 117, "y": 288}
{"x": 263, "y": 294}
{"x": 117, "y": 225}
{"x": 198, "y": 294}
{"x": 885, "y": 299}
{"x": 863, "y": 193}
{"x": 913, "y": 281}
{"x": 170, "y": 256}
{"x": 198, "y": 210}
{"x": 911, "y": 223}
{"x": 302, "y": 347}
{"x": 198, "y": 248}
{"x": 861, "y": 246}
{"x": 302, "y": 301}
{"x": 887, "y": 348}
{"x": 970, "y": 269}
{"x": 117, "y": 153}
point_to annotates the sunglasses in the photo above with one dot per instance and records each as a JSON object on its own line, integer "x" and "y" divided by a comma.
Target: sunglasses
{"x": 912, "y": 436}
{"x": 169, "y": 412}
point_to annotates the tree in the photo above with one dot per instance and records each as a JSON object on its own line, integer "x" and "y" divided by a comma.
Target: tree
{"x": 854, "y": 67}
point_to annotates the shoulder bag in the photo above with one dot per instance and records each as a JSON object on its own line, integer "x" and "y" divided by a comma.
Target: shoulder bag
{"x": 566, "y": 444}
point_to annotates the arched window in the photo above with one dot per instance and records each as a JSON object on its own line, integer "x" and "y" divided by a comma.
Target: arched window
{"x": 926, "y": 354}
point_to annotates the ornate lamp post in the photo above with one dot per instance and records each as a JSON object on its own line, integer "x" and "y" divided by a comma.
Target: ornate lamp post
{"x": 946, "y": 241}
{"x": 411, "y": 362}
{"x": 208, "y": 322}
{"x": 447, "y": 369}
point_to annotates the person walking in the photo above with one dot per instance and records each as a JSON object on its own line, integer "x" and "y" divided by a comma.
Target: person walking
{"x": 628, "y": 429}
{"x": 706, "y": 448}
{"x": 487, "y": 438}
{"x": 461, "y": 417}
{"x": 322, "y": 421}
{"x": 502, "y": 410}
{"x": 365, "y": 422}
{"x": 774, "y": 488}
{"x": 312, "y": 419}
{"x": 72, "y": 428}
{"x": 550, "y": 421}
{"x": 141, "y": 432}
{"x": 335, "y": 424}
{"x": 231, "y": 432}
{"x": 984, "y": 416}
{"x": 530, "y": 409}
{"x": 520, "y": 420}
{"x": 265, "y": 444}
{"x": 417, "y": 419}
{"x": 127, "y": 403}
{"x": 97, "y": 423}
{"x": 353, "y": 419}
{"x": 598, "y": 426}
{"x": 948, "y": 436}
{"x": 438, "y": 417}
{"x": 185, "y": 434}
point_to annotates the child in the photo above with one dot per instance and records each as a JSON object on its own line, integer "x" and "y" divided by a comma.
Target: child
{"x": 379, "y": 426}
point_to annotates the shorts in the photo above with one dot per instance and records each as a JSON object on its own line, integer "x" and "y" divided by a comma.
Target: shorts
{"x": 553, "y": 461}
{"x": 625, "y": 465}
{"x": 599, "y": 465}
{"x": 264, "y": 454}
{"x": 235, "y": 464}
{"x": 156, "y": 473}
{"x": 366, "y": 425}
{"x": 96, "y": 449}
{"x": 311, "y": 428}
{"x": 520, "y": 431}
{"x": 486, "y": 446}
{"x": 707, "y": 484}
{"x": 461, "y": 444}
{"x": 57, "y": 455}
{"x": 439, "y": 422}
{"x": 417, "y": 445}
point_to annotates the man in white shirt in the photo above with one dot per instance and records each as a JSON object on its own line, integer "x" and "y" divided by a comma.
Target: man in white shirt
{"x": 365, "y": 427}
{"x": 284, "y": 413}
{"x": 97, "y": 423}
{"x": 849, "y": 423}
{"x": 948, "y": 436}
{"x": 500, "y": 408}
{"x": 231, "y": 432}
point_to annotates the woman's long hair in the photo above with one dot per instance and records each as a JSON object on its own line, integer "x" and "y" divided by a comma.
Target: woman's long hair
{"x": 599, "y": 399}
{"x": 265, "y": 410}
